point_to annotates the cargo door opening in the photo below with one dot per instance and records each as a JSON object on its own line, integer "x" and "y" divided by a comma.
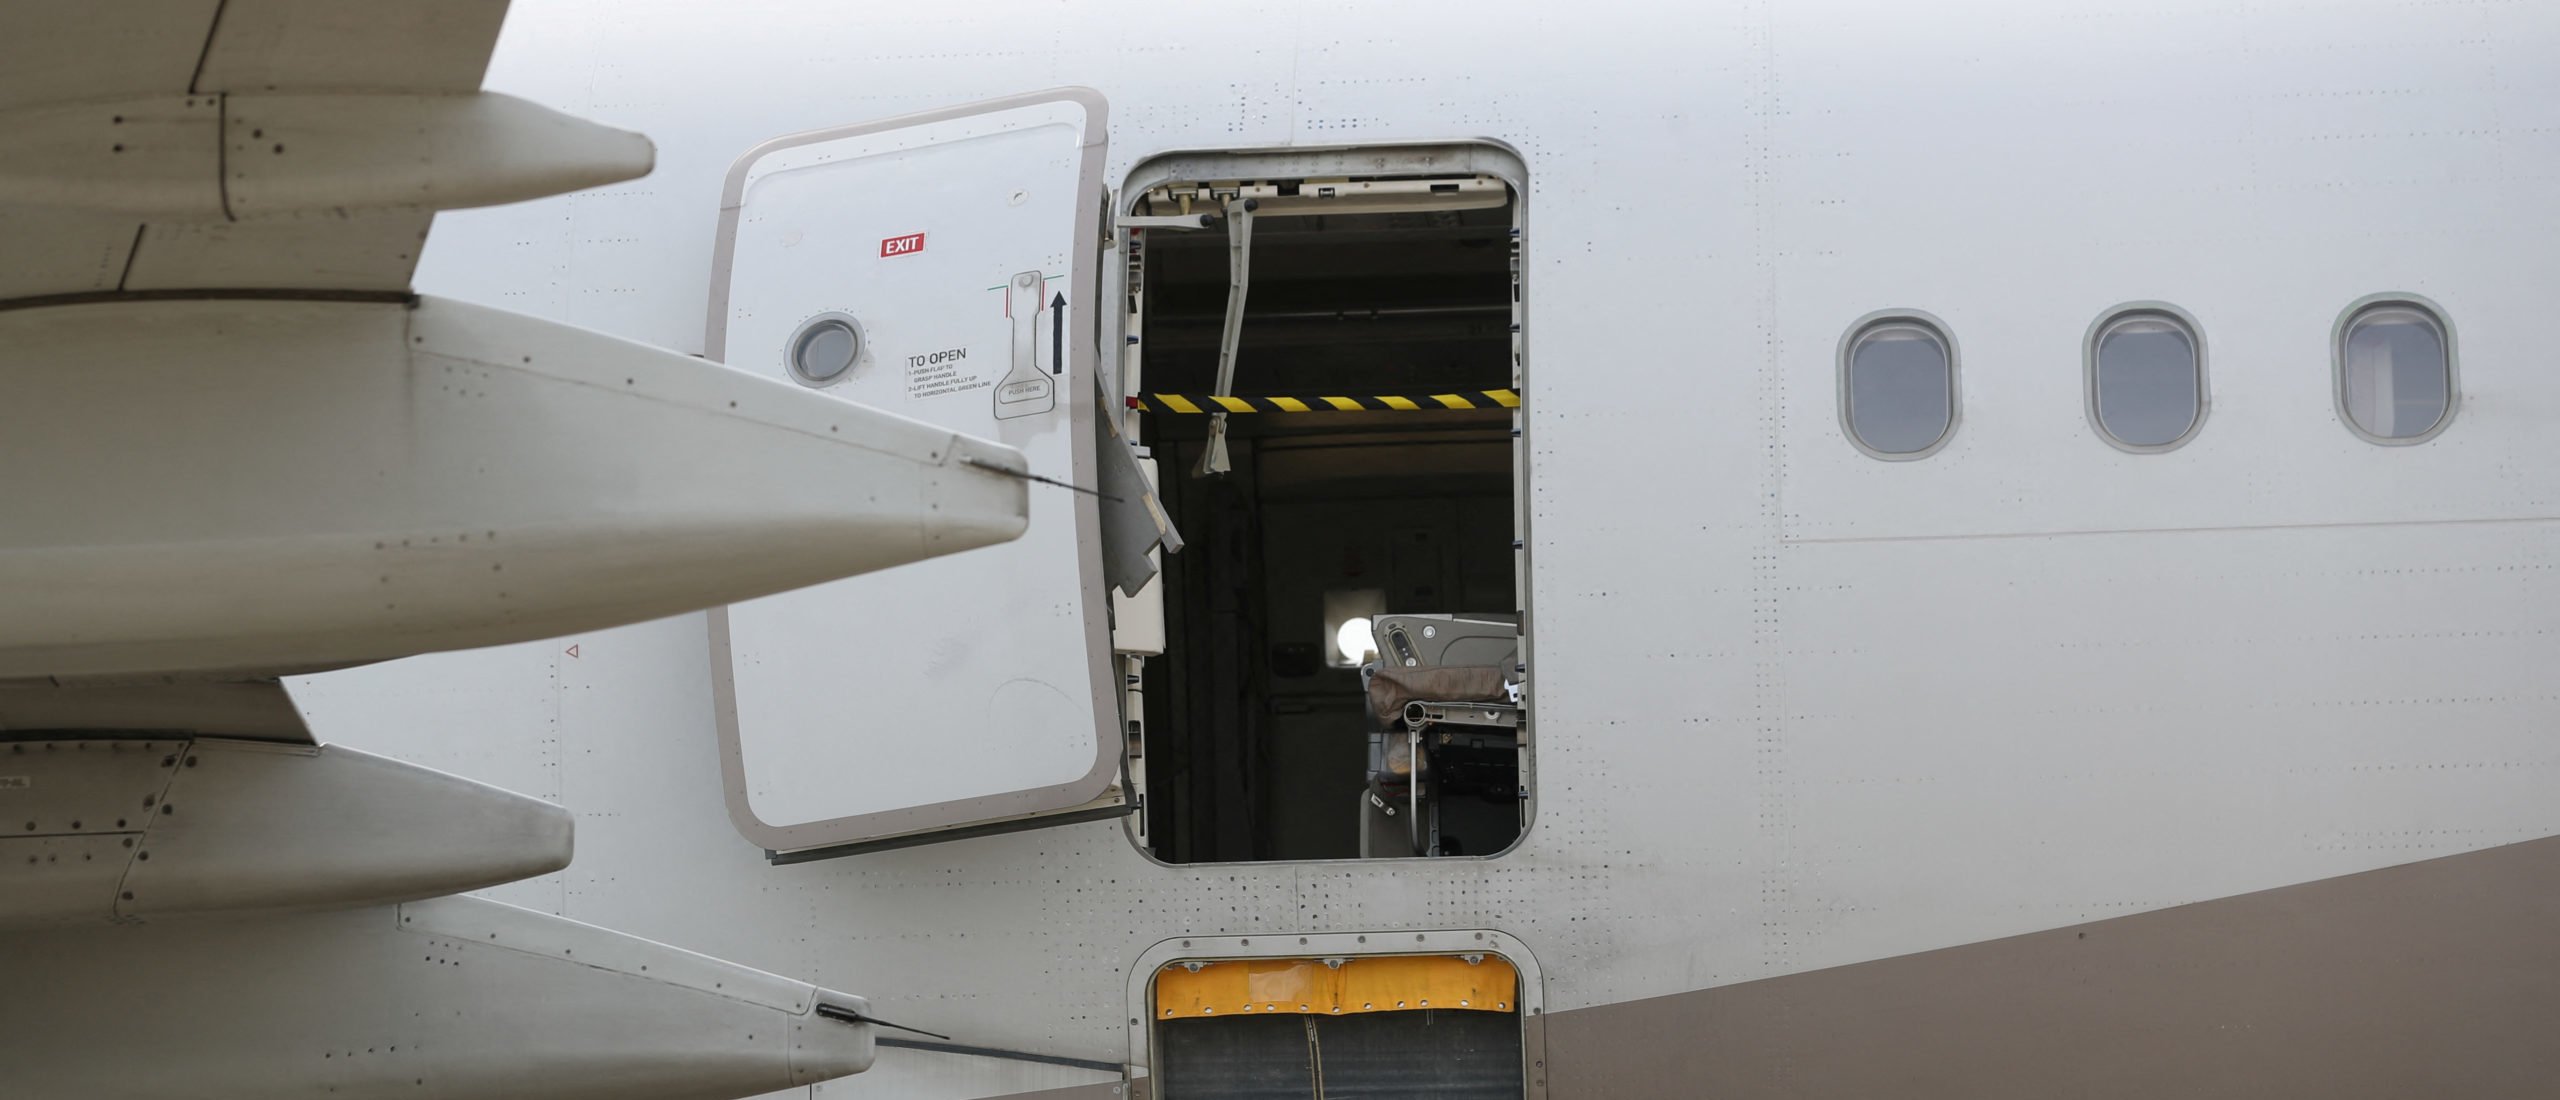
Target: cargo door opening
{"x": 1447, "y": 1026}
{"x": 1342, "y": 666}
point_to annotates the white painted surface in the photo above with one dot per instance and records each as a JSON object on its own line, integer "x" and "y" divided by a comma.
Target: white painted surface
{"x": 335, "y": 153}
{"x": 193, "y": 157}
{"x": 174, "y": 828}
{"x": 456, "y": 998}
{"x": 907, "y": 1072}
{"x": 1797, "y": 707}
{"x": 970, "y": 680}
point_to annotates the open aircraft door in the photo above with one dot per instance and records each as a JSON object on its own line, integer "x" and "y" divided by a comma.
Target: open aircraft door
{"x": 942, "y": 266}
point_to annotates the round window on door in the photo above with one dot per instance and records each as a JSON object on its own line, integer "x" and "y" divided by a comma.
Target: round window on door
{"x": 824, "y": 349}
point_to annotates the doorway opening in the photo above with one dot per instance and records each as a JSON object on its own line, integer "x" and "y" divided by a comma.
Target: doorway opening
{"x": 1325, "y": 371}
{"x": 1446, "y": 1026}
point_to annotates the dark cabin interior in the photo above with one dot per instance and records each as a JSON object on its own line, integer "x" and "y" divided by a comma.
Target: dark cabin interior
{"x": 1256, "y": 745}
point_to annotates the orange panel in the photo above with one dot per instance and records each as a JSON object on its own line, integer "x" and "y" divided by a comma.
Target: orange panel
{"x": 1388, "y": 983}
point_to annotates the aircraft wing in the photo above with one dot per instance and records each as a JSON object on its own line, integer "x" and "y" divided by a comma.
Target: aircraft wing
{"x": 66, "y": 249}
{"x": 173, "y": 51}
{"x": 209, "y": 214}
{"x": 201, "y": 50}
{"x": 234, "y": 446}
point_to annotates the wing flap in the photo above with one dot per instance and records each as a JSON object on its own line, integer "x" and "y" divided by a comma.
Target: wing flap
{"x": 62, "y": 251}
{"x": 332, "y": 45}
{"x": 63, "y": 53}
{"x": 257, "y": 709}
{"x": 376, "y": 252}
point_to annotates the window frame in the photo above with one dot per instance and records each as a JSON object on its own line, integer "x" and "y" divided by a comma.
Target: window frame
{"x": 1532, "y": 1009}
{"x": 1383, "y": 159}
{"x": 2145, "y": 309}
{"x": 1883, "y": 318}
{"x": 2345, "y": 324}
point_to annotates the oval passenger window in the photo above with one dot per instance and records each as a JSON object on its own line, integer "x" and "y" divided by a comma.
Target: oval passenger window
{"x": 2395, "y": 371}
{"x": 1898, "y": 387}
{"x": 2146, "y": 379}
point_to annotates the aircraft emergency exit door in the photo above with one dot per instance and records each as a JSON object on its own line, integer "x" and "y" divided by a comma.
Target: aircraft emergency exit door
{"x": 942, "y": 266}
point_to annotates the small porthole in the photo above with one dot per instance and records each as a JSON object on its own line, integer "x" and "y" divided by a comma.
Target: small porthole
{"x": 2146, "y": 377}
{"x": 824, "y": 349}
{"x": 2395, "y": 367}
{"x": 1898, "y": 385}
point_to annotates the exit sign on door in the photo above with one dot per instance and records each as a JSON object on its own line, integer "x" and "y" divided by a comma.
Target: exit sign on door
{"x": 900, "y": 246}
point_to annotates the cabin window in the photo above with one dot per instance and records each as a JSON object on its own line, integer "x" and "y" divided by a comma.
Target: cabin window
{"x": 2146, "y": 377}
{"x": 2395, "y": 370}
{"x": 1898, "y": 385}
{"x": 1324, "y": 371}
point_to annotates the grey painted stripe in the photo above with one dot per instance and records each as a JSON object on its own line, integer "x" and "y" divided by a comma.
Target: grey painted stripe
{"x": 2439, "y": 978}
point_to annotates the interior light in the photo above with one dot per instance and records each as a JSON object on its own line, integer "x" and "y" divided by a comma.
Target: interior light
{"x": 1354, "y": 641}
{"x": 1350, "y": 614}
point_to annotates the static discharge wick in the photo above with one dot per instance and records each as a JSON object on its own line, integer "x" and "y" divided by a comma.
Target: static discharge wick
{"x": 1028, "y": 476}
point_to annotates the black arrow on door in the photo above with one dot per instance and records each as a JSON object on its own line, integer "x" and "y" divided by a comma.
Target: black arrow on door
{"x": 1058, "y": 334}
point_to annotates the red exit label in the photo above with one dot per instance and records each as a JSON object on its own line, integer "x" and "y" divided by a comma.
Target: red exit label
{"x": 900, "y": 246}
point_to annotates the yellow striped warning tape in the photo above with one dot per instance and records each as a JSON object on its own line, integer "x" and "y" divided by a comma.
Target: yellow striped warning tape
{"x": 1209, "y": 403}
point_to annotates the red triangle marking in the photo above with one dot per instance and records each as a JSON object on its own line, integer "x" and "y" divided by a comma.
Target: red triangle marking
{"x": 573, "y": 651}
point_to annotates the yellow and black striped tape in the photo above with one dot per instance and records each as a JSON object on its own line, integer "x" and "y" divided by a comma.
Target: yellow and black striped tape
{"x": 1210, "y": 403}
